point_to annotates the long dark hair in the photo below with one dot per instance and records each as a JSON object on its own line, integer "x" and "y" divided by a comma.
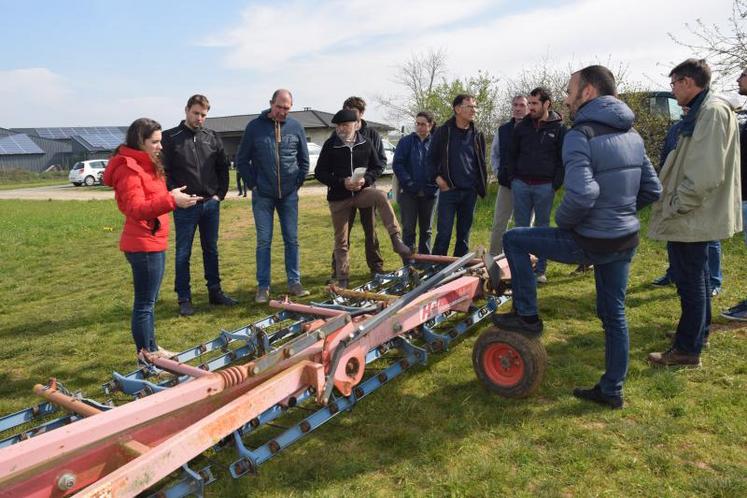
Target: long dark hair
{"x": 140, "y": 130}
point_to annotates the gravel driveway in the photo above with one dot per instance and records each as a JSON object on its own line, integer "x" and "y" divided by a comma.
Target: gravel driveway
{"x": 69, "y": 192}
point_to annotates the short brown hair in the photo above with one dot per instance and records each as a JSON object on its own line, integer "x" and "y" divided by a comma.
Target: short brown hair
{"x": 355, "y": 103}
{"x": 200, "y": 100}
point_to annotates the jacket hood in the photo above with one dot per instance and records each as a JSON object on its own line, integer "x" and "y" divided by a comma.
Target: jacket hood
{"x": 552, "y": 116}
{"x": 126, "y": 158}
{"x": 607, "y": 110}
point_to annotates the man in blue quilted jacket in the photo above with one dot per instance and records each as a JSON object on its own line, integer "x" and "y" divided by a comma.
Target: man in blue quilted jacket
{"x": 273, "y": 160}
{"x": 608, "y": 177}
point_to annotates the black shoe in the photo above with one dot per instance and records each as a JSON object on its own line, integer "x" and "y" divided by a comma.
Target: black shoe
{"x": 185, "y": 308}
{"x": 514, "y": 322}
{"x": 662, "y": 281}
{"x": 216, "y": 296}
{"x": 596, "y": 395}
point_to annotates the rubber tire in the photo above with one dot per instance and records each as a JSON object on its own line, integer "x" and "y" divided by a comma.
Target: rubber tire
{"x": 530, "y": 352}
{"x": 77, "y": 184}
{"x": 89, "y": 181}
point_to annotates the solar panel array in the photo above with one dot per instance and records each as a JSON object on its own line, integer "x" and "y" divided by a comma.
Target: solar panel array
{"x": 83, "y": 131}
{"x": 101, "y": 141}
{"x": 18, "y": 144}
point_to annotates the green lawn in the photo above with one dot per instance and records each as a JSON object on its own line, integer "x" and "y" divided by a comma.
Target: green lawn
{"x": 12, "y": 179}
{"x": 65, "y": 296}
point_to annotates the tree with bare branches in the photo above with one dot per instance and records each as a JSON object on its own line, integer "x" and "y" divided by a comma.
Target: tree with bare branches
{"x": 724, "y": 48}
{"x": 419, "y": 75}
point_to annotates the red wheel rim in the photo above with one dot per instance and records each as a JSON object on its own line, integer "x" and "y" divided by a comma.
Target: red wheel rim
{"x": 503, "y": 365}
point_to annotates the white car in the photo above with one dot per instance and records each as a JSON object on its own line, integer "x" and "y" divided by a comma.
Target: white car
{"x": 389, "y": 151}
{"x": 314, "y": 151}
{"x": 87, "y": 172}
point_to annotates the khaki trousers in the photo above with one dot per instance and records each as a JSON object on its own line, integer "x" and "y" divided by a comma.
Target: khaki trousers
{"x": 340, "y": 211}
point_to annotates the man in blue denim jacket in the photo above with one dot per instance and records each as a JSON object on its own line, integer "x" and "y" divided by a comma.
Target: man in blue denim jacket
{"x": 608, "y": 177}
{"x": 273, "y": 160}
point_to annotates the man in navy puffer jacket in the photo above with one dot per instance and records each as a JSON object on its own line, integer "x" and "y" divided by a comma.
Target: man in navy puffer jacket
{"x": 273, "y": 159}
{"x": 608, "y": 177}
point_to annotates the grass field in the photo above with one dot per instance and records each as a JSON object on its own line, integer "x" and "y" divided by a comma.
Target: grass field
{"x": 12, "y": 179}
{"x": 65, "y": 297}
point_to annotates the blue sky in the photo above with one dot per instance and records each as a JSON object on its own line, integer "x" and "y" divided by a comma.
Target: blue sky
{"x": 106, "y": 63}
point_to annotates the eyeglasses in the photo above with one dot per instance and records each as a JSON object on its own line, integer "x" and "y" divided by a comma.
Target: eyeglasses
{"x": 671, "y": 83}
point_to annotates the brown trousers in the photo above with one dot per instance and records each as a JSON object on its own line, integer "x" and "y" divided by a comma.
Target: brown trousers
{"x": 340, "y": 210}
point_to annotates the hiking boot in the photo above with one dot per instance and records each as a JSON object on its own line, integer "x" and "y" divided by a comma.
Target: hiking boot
{"x": 541, "y": 278}
{"x": 737, "y": 313}
{"x": 263, "y": 295}
{"x": 185, "y": 307}
{"x": 662, "y": 281}
{"x": 596, "y": 395}
{"x": 400, "y": 247}
{"x": 514, "y": 322}
{"x": 673, "y": 357}
{"x": 296, "y": 289}
{"x": 216, "y": 296}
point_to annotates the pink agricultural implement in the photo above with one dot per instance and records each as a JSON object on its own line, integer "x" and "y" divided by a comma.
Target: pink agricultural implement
{"x": 308, "y": 355}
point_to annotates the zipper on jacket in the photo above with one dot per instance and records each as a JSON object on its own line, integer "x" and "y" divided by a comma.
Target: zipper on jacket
{"x": 277, "y": 156}
{"x": 448, "y": 139}
{"x": 197, "y": 158}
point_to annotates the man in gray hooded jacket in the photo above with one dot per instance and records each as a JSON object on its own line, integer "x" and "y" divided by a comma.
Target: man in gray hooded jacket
{"x": 608, "y": 177}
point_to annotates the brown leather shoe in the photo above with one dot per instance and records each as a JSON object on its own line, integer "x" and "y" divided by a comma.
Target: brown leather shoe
{"x": 673, "y": 357}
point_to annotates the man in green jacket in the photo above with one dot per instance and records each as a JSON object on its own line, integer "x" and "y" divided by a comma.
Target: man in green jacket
{"x": 700, "y": 202}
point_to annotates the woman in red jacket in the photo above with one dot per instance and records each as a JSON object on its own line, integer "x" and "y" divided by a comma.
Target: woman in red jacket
{"x": 136, "y": 173}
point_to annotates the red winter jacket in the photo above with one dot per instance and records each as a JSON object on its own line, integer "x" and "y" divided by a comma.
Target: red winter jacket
{"x": 143, "y": 198}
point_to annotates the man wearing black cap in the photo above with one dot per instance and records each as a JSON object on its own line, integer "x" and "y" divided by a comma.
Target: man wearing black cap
{"x": 348, "y": 165}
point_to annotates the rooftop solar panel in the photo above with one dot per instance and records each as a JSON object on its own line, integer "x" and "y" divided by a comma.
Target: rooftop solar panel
{"x": 83, "y": 131}
{"x": 18, "y": 144}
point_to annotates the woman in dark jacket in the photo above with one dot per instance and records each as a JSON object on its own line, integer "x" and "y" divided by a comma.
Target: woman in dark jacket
{"x": 417, "y": 192}
{"x": 136, "y": 174}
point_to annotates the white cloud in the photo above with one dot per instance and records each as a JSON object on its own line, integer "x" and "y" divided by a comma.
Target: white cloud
{"x": 268, "y": 36}
{"x": 313, "y": 49}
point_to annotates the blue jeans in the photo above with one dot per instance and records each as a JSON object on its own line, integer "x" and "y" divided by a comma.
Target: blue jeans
{"x": 147, "y": 273}
{"x": 453, "y": 203}
{"x": 206, "y": 216}
{"x": 264, "y": 211}
{"x": 689, "y": 264}
{"x": 532, "y": 198}
{"x": 416, "y": 211}
{"x": 611, "y": 277}
{"x": 714, "y": 262}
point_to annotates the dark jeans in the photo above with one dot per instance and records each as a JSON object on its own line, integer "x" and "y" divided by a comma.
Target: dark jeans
{"x": 264, "y": 209}
{"x": 418, "y": 211}
{"x": 453, "y": 203}
{"x": 611, "y": 277}
{"x": 714, "y": 264}
{"x": 528, "y": 199}
{"x": 147, "y": 273}
{"x": 206, "y": 216}
{"x": 689, "y": 265}
{"x": 374, "y": 260}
